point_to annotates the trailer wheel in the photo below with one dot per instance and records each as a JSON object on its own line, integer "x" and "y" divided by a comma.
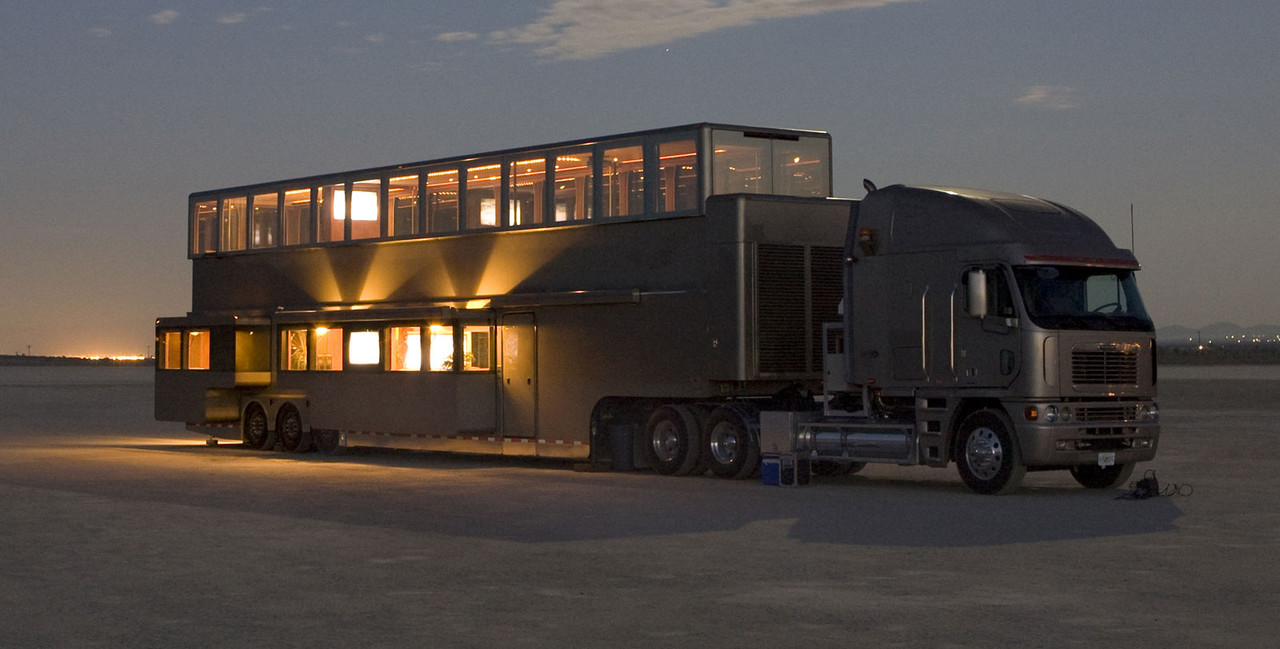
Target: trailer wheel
{"x": 257, "y": 435}
{"x": 1096, "y": 477}
{"x": 293, "y": 437}
{"x": 673, "y": 441}
{"x": 731, "y": 447}
{"x": 987, "y": 454}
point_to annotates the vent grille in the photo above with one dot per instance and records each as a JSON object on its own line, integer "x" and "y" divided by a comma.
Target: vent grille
{"x": 780, "y": 301}
{"x": 826, "y": 273}
{"x": 1105, "y": 366}
{"x": 1107, "y": 413}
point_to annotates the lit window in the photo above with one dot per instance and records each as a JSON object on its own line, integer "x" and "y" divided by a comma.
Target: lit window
{"x": 476, "y": 348}
{"x": 235, "y": 222}
{"x": 402, "y": 194}
{"x": 623, "y": 181}
{"x": 171, "y": 352}
{"x": 406, "y": 349}
{"x": 484, "y": 183}
{"x": 364, "y": 348}
{"x": 297, "y": 217}
{"x": 204, "y": 228}
{"x": 328, "y": 348}
{"x": 293, "y": 349}
{"x": 677, "y": 176}
{"x": 198, "y": 349}
{"x": 440, "y": 348}
{"x": 526, "y": 180}
{"x": 266, "y": 214}
{"x": 573, "y": 181}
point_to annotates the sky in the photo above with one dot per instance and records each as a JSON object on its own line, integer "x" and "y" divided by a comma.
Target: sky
{"x": 112, "y": 113}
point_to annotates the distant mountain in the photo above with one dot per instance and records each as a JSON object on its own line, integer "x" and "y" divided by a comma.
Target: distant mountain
{"x": 1218, "y": 333}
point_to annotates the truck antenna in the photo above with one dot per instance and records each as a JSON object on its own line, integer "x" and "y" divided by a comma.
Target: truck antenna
{"x": 868, "y": 185}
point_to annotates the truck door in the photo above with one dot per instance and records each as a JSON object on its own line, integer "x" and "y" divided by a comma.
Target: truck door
{"x": 986, "y": 351}
{"x": 519, "y": 376}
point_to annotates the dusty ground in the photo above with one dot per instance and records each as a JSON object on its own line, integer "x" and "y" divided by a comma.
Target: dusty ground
{"x": 119, "y": 531}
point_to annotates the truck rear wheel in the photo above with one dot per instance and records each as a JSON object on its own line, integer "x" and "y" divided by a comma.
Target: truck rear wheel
{"x": 731, "y": 449}
{"x": 293, "y": 437}
{"x": 987, "y": 454}
{"x": 1096, "y": 477}
{"x": 673, "y": 441}
{"x": 257, "y": 435}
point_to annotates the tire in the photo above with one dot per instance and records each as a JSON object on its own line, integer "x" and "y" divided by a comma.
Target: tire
{"x": 731, "y": 445}
{"x": 256, "y": 433}
{"x": 673, "y": 441}
{"x": 327, "y": 441}
{"x": 1096, "y": 477}
{"x": 293, "y": 437}
{"x": 987, "y": 454}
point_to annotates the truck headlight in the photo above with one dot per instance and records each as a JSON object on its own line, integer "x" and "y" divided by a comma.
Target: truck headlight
{"x": 1149, "y": 412}
{"x": 1051, "y": 414}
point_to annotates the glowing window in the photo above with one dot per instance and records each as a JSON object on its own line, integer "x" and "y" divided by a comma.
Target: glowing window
{"x": 204, "y": 227}
{"x": 366, "y": 222}
{"x": 484, "y": 183}
{"x": 235, "y": 222}
{"x": 402, "y": 195}
{"x": 623, "y": 181}
{"x": 441, "y": 200}
{"x": 406, "y": 349}
{"x": 526, "y": 180}
{"x": 297, "y": 217}
{"x": 266, "y": 215}
{"x": 440, "y": 348}
{"x": 677, "y": 176}
{"x": 171, "y": 350}
{"x": 293, "y": 349}
{"x": 364, "y": 348}
{"x": 198, "y": 349}
{"x": 477, "y": 352}
{"x": 328, "y": 348}
{"x": 332, "y": 206}
{"x": 573, "y": 179}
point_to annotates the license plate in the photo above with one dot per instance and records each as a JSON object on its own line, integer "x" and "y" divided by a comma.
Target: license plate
{"x": 1106, "y": 459}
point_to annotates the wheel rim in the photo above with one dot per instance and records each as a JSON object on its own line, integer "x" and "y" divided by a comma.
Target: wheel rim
{"x": 985, "y": 453}
{"x": 256, "y": 429}
{"x": 724, "y": 443}
{"x": 666, "y": 441}
{"x": 290, "y": 432}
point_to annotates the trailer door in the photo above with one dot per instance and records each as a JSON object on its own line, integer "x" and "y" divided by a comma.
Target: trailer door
{"x": 519, "y": 379}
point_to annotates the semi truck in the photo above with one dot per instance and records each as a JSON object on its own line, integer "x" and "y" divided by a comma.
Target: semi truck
{"x": 683, "y": 300}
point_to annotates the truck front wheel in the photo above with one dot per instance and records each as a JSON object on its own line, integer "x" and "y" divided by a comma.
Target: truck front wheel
{"x": 1096, "y": 477}
{"x": 987, "y": 454}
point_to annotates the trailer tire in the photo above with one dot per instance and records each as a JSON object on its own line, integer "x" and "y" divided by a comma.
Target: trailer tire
{"x": 987, "y": 454}
{"x": 1096, "y": 477}
{"x": 293, "y": 437}
{"x": 257, "y": 434}
{"x": 731, "y": 445}
{"x": 673, "y": 441}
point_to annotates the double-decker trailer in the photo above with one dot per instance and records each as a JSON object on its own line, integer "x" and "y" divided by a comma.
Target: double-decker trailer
{"x": 593, "y": 299}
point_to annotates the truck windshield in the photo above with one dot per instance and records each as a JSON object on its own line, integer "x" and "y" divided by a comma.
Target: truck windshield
{"x": 1060, "y": 297}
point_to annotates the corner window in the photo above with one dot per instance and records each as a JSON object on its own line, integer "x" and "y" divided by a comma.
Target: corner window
{"x": 198, "y": 349}
{"x": 204, "y": 227}
{"x": 170, "y": 352}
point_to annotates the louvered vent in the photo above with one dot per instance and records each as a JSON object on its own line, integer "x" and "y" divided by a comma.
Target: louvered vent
{"x": 826, "y": 276}
{"x": 1104, "y": 367}
{"x": 780, "y": 312}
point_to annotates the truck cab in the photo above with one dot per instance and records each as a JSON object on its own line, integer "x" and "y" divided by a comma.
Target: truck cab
{"x": 1000, "y": 331}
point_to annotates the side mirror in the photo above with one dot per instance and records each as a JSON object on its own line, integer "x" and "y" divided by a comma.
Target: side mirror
{"x": 977, "y": 285}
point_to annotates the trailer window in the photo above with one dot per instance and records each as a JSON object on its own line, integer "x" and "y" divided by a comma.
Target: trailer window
{"x": 526, "y": 180}
{"x": 406, "y": 349}
{"x": 297, "y": 217}
{"x": 364, "y": 348}
{"x": 234, "y": 222}
{"x": 573, "y": 180}
{"x": 478, "y": 353}
{"x": 266, "y": 214}
{"x": 293, "y": 350}
{"x": 441, "y": 200}
{"x": 484, "y": 184}
{"x": 366, "y": 209}
{"x": 623, "y": 181}
{"x": 440, "y": 348}
{"x": 332, "y": 205}
{"x": 170, "y": 350}
{"x": 402, "y": 197}
{"x": 204, "y": 227}
{"x": 198, "y": 349}
{"x": 677, "y": 176}
{"x": 328, "y": 349}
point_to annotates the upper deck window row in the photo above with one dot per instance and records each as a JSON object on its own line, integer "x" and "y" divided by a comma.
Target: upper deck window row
{"x": 663, "y": 174}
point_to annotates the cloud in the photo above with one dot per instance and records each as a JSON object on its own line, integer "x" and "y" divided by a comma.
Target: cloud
{"x": 376, "y": 38}
{"x": 99, "y": 32}
{"x": 457, "y": 37}
{"x": 588, "y": 29}
{"x": 164, "y": 17}
{"x": 1051, "y": 97}
{"x": 232, "y": 18}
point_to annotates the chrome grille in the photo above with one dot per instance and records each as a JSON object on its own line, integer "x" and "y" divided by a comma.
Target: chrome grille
{"x": 1106, "y": 413}
{"x": 1106, "y": 365}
